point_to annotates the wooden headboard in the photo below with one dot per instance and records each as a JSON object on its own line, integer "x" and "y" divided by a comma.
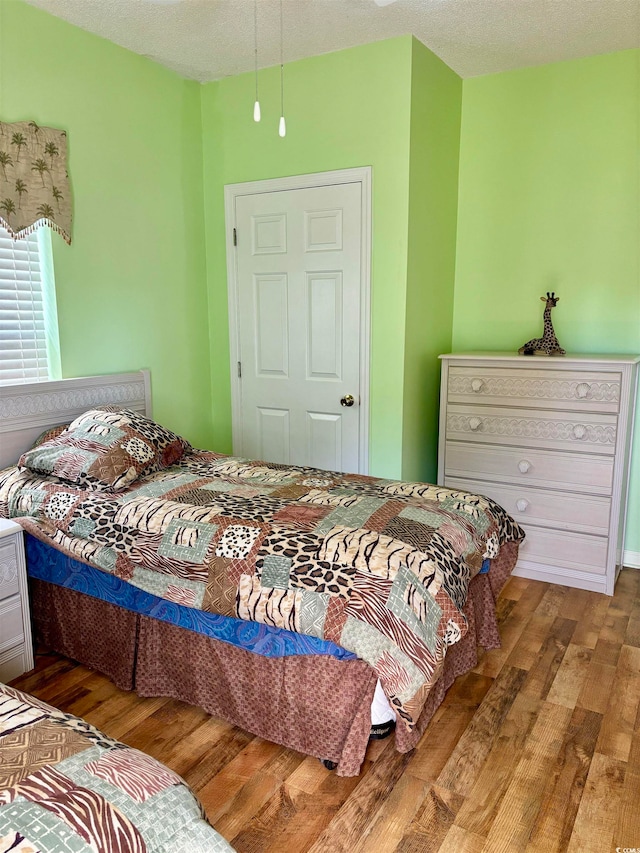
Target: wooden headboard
{"x": 26, "y": 410}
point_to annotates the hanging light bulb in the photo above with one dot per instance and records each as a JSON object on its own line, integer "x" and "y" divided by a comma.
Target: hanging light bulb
{"x": 282, "y": 127}
{"x": 256, "y": 106}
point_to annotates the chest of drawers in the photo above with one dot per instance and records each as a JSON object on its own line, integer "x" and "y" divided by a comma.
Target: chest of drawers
{"x": 550, "y": 440}
{"x": 16, "y": 652}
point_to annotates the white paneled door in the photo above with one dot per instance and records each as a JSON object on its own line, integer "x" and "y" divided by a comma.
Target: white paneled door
{"x": 299, "y": 259}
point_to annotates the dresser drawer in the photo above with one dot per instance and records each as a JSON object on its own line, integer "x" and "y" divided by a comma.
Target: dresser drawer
{"x": 8, "y": 569}
{"x": 591, "y": 432}
{"x": 549, "y": 389}
{"x": 558, "y": 510}
{"x": 545, "y": 469}
{"x": 11, "y": 625}
{"x": 560, "y": 549}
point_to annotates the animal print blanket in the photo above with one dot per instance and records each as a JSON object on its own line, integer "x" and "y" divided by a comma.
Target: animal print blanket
{"x": 66, "y": 787}
{"x": 379, "y": 567}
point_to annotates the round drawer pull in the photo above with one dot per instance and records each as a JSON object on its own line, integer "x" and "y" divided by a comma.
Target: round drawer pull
{"x": 477, "y": 385}
{"x": 582, "y": 389}
{"x": 524, "y": 465}
{"x": 474, "y": 424}
{"x": 522, "y": 504}
{"x": 579, "y": 431}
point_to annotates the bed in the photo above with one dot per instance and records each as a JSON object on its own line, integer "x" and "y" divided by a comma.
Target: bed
{"x": 65, "y": 786}
{"x": 343, "y": 584}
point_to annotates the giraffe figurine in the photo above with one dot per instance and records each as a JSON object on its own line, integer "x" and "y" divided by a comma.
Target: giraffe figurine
{"x": 548, "y": 343}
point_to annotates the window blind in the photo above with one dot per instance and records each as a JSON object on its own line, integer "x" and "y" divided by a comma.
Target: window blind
{"x": 23, "y": 341}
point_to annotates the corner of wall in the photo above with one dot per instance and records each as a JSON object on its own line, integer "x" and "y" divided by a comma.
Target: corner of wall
{"x": 436, "y": 97}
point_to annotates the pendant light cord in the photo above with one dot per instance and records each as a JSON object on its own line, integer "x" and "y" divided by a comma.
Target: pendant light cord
{"x": 255, "y": 42}
{"x": 256, "y": 105}
{"x": 281, "y": 65}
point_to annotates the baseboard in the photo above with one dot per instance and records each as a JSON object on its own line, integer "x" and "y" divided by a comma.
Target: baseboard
{"x": 631, "y": 559}
{"x": 547, "y": 574}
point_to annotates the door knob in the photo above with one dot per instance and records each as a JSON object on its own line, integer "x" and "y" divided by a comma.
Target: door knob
{"x": 347, "y": 400}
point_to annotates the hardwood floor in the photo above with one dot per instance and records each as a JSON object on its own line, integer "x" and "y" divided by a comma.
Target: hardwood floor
{"x": 537, "y": 749}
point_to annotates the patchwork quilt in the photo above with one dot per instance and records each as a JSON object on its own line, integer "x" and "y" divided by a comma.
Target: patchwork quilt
{"x": 379, "y": 567}
{"x": 67, "y": 788}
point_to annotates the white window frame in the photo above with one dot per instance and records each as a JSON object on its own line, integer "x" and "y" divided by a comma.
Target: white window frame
{"x": 28, "y": 311}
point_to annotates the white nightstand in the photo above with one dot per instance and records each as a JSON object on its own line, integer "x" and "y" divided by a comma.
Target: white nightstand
{"x": 16, "y": 649}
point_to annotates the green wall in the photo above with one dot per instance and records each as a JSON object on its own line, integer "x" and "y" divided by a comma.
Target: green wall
{"x": 130, "y": 288}
{"x": 550, "y": 200}
{"x": 345, "y": 109}
{"x": 436, "y": 102}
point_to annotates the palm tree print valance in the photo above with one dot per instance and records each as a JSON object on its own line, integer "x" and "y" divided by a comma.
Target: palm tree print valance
{"x": 34, "y": 185}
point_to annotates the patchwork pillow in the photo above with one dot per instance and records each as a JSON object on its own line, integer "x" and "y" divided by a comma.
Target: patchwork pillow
{"x": 102, "y": 449}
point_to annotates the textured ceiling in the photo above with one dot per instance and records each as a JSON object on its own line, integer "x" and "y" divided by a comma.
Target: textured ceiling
{"x": 209, "y": 39}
